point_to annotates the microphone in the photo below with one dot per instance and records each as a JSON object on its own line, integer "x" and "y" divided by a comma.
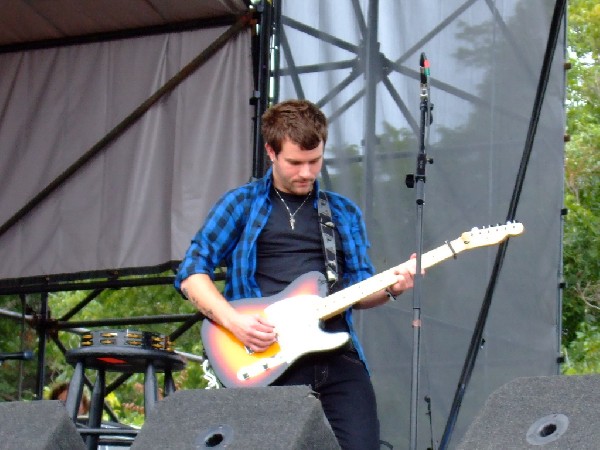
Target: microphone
{"x": 424, "y": 70}
{"x": 424, "y": 64}
{"x": 23, "y": 356}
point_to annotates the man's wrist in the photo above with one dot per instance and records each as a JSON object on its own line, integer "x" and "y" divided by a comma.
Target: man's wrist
{"x": 390, "y": 295}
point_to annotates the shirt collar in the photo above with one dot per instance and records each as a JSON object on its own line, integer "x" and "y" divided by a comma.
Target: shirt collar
{"x": 268, "y": 182}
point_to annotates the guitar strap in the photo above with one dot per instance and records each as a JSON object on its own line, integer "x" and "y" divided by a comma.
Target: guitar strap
{"x": 328, "y": 237}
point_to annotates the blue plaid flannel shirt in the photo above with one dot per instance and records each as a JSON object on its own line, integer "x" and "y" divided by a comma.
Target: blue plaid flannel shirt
{"x": 231, "y": 230}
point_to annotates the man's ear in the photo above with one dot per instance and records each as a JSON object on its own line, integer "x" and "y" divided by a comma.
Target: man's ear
{"x": 270, "y": 152}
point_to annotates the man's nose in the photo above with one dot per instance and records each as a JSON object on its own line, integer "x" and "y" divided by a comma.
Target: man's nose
{"x": 305, "y": 170}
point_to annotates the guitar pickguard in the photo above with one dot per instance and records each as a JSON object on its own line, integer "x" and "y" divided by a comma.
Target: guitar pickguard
{"x": 297, "y": 325}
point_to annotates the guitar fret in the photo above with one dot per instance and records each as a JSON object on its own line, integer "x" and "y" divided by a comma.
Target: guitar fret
{"x": 338, "y": 302}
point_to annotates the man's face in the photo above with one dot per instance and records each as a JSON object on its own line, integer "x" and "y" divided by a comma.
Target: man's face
{"x": 294, "y": 169}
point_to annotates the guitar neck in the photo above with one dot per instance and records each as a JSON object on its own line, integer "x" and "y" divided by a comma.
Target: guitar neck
{"x": 340, "y": 301}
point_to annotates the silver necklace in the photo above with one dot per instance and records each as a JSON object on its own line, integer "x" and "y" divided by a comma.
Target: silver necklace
{"x": 292, "y": 219}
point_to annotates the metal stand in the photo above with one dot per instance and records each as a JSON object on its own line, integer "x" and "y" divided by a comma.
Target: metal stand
{"x": 125, "y": 351}
{"x": 417, "y": 181}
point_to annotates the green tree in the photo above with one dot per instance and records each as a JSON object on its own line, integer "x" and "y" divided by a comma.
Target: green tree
{"x": 581, "y": 312}
{"x": 16, "y": 376}
{"x": 127, "y": 400}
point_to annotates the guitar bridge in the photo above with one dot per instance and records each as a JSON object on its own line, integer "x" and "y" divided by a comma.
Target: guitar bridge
{"x": 259, "y": 367}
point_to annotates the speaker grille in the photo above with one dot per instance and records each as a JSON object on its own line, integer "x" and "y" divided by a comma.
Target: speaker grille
{"x": 558, "y": 412}
{"x": 37, "y": 425}
{"x": 276, "y": 417}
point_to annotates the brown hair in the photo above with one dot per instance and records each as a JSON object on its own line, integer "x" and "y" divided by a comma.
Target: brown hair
{"x": 63, "y": 387}
{"x": 300, "y": 121}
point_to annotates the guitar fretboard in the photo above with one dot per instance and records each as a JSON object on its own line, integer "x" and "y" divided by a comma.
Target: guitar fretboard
{"x": 338, "y": 302}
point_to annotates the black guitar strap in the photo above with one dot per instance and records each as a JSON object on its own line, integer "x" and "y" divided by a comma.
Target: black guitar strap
{"x": 328, "y": 237}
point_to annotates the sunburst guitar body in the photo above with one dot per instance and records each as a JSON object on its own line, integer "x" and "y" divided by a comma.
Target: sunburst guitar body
{"x": 295, "y": 314}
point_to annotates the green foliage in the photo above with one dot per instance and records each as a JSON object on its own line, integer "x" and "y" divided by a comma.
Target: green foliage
{"x": 581, "y": 300}
{"x": 583, "y": 353}
{"x": 15, "y": 337}
{"x": 127, "y": 400}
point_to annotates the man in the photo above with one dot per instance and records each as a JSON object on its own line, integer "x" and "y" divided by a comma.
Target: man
{"x": 267, "y": 233}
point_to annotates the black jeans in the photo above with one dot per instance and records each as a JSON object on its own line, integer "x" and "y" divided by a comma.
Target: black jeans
{"x": 344, "y": 387}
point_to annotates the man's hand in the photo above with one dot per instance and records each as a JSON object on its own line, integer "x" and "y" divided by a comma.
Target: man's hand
{"x": 254, "y": 331}
{"x": 406, "y": 274}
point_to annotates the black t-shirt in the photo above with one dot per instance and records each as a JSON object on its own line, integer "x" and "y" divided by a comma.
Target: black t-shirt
{"x": 283, "y": 253}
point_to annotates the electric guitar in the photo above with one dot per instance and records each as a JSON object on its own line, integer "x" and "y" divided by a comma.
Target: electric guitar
{"x": 298, "y": 310}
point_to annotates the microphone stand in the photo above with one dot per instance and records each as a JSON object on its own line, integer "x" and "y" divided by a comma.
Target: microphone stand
{"x": 417, "y": 181}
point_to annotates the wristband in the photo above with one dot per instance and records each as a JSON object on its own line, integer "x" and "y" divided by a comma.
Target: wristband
{"x": 391, "y": 296}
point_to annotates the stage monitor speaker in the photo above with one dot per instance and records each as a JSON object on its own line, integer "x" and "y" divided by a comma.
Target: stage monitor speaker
{"x": 37, "y": 425}
{"x": 550, "y": 413}
{"x": 287, "y": 417}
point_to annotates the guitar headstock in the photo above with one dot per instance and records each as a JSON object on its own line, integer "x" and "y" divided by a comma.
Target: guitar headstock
{"x": 480, "y": 237}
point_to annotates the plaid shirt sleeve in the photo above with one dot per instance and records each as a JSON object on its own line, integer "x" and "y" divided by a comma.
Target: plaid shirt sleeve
{"x": 215, "y": 240}
{"x": 351, "y": 227}
{"x": 358, "y": 267}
